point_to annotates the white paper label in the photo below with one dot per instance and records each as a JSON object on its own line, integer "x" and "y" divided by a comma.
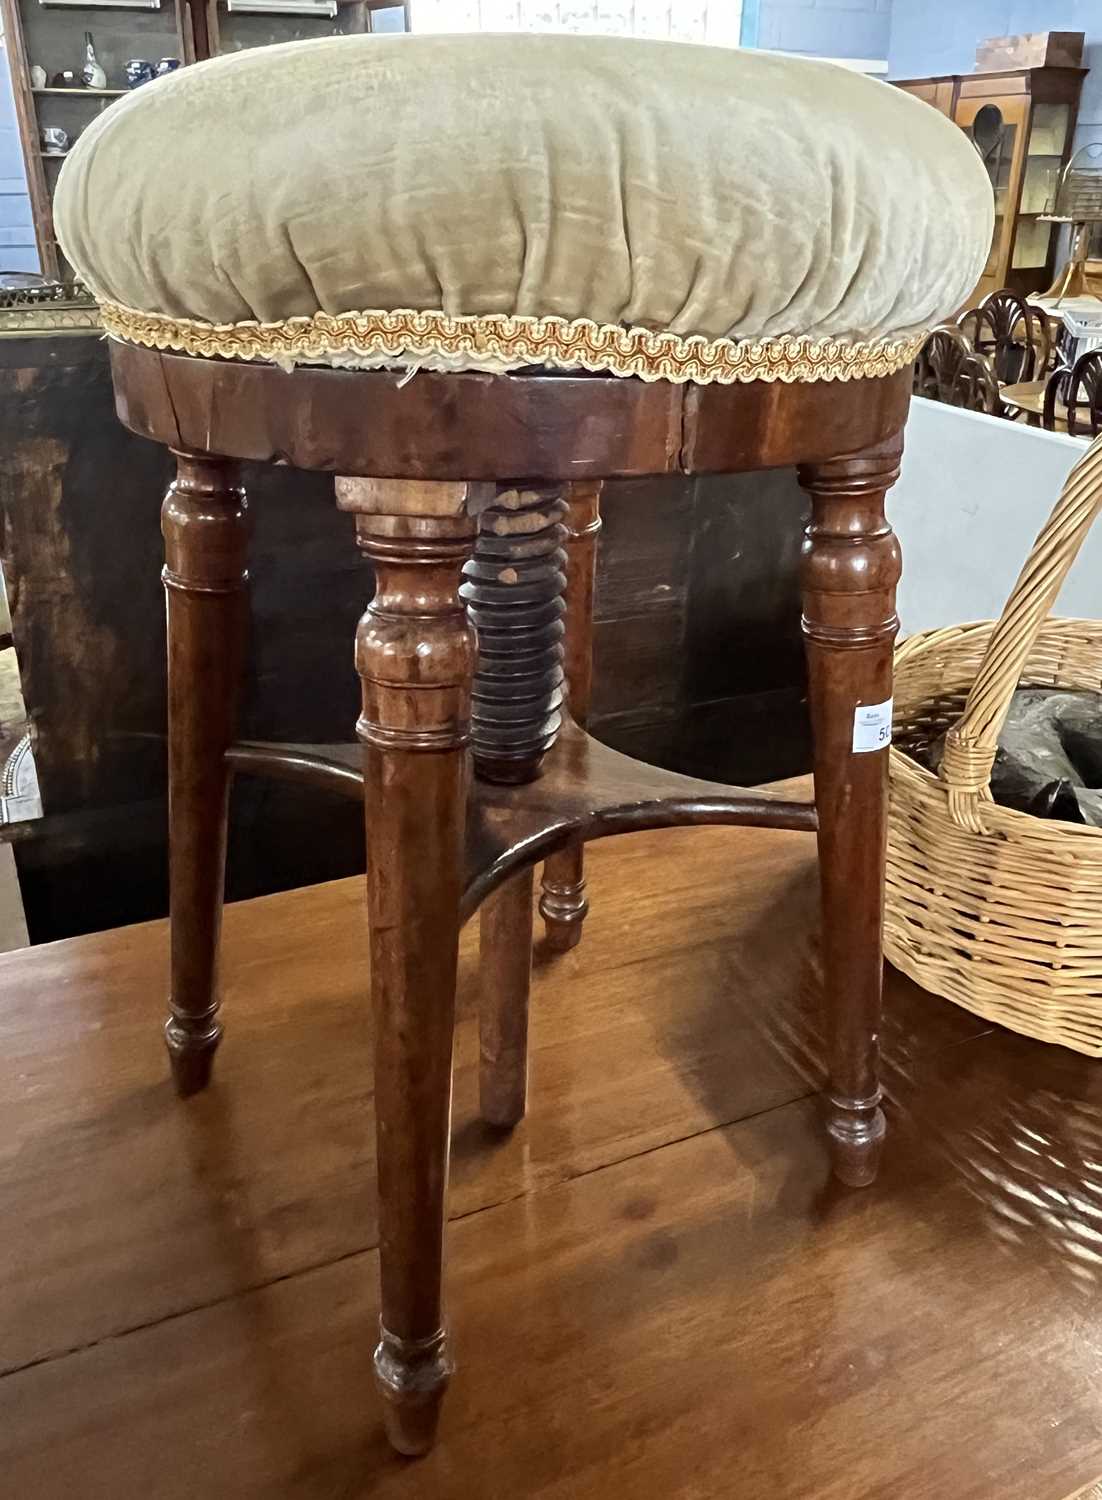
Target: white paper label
{"x": 872, "y": 727}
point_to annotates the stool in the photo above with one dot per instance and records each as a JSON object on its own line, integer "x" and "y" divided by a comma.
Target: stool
{"x": 660, "y": 298}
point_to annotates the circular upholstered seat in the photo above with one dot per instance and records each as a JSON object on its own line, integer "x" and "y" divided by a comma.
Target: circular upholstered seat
{"x": 491, "y": 202}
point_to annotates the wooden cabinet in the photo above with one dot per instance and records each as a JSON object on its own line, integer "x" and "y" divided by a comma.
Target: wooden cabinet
{"x": 49, "y": 34}
{"x": 1021, "y": 122}
{"x": 941, "y": 93}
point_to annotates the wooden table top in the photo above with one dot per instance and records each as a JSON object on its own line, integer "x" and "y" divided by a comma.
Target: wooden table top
{"x": 1029, "y": 396}
{"x": 655, "y": 1286}
{"x": 1026, "y": 395}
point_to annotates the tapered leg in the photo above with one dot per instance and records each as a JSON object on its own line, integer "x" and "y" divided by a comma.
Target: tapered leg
{"x": 851, "y": 567}
{"x": 563, "y": 901}
{"x": 505, "y": 935}
{"x": 415, "y": 655}
{"x": 513, "y": 587}
{"x": 205, "y": 524}
{"x": 563, "y": 904}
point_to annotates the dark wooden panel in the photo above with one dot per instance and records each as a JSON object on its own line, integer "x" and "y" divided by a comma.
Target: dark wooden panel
{"x": 698, "y": 654}
{"x": 743, "y": 625}
{"x": 745, "y": 739}
{"x": 646, "y": 541}
{"x": 79, "y": 499}
{"x": 647, "y": 734}
{"x": 81, "y": 553}
{"x": 641, "y": 603}
{"x": 637, "y": 663}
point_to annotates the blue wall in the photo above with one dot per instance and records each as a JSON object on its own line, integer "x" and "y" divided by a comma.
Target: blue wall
{"x": 17, "y": 246}
{"x": 823, "y": 28}
{"x": 922, "y": 44}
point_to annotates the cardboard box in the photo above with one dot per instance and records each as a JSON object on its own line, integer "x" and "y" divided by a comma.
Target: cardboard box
{"x": 1036, "y": 49}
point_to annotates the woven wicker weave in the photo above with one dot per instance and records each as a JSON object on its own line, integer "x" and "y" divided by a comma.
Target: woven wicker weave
{"x": 996, "y": 910}
{"x": 1092, "y": 1492}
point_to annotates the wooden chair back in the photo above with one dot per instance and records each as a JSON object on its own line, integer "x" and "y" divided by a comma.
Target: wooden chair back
{"x": 1017, "y": 338}
{"x": 948, "y": 369}
{"x": 1079, "y": 393}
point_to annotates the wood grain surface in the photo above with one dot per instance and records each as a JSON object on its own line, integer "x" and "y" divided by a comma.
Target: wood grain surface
{"x": 653, "y": 1283}
{"x": 480, "y": 426}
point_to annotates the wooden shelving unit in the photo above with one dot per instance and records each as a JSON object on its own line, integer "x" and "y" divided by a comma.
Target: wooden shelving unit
{"x": 53, "y": 38}
{"x": 83, "y": 93}
{"x": 1022, "y": 122}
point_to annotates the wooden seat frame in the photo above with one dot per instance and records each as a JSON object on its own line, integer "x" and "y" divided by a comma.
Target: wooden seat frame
{"x": 458, "y": 484}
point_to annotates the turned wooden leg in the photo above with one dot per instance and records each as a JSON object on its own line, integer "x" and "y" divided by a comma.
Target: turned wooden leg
{"x": 851, "y": 567}
{"x": 505, "y": 936}
{"x": 415, "y": 654}
{"x": 205, "y": 524}
{"x": 563, "y": 903}
{"x": 513, "y": 587}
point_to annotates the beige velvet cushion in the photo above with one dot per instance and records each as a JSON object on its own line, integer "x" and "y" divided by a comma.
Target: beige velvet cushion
{"x": 486, "y": 202}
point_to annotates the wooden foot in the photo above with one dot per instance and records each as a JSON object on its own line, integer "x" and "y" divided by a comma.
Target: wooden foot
{"x": 563, "y": 904}
{"x": 205, "y": 524}
{"x": 851, "y": 567}
{"x": 415, "y": 653}
{"x": 505, "y": 976}
{"x": 856, "y": 1132}
{"x": 412, "y": 1377}
{"x": 191, "y": 1062}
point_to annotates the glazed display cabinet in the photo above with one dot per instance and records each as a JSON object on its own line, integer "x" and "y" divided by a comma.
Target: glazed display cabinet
{"x": 1022, "y": 123}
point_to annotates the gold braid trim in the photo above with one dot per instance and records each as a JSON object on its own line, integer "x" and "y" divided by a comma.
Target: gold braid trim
{"x": 498, "y": 341}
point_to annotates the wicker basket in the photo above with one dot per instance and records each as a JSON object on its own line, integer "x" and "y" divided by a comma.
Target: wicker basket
{"x": 996, "y": 910}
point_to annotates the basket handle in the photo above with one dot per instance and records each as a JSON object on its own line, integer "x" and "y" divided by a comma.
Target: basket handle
{"x": 971, "y": 743}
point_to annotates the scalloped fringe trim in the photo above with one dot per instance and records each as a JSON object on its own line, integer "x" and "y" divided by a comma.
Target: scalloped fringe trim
{"x": 497, "y": 343}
